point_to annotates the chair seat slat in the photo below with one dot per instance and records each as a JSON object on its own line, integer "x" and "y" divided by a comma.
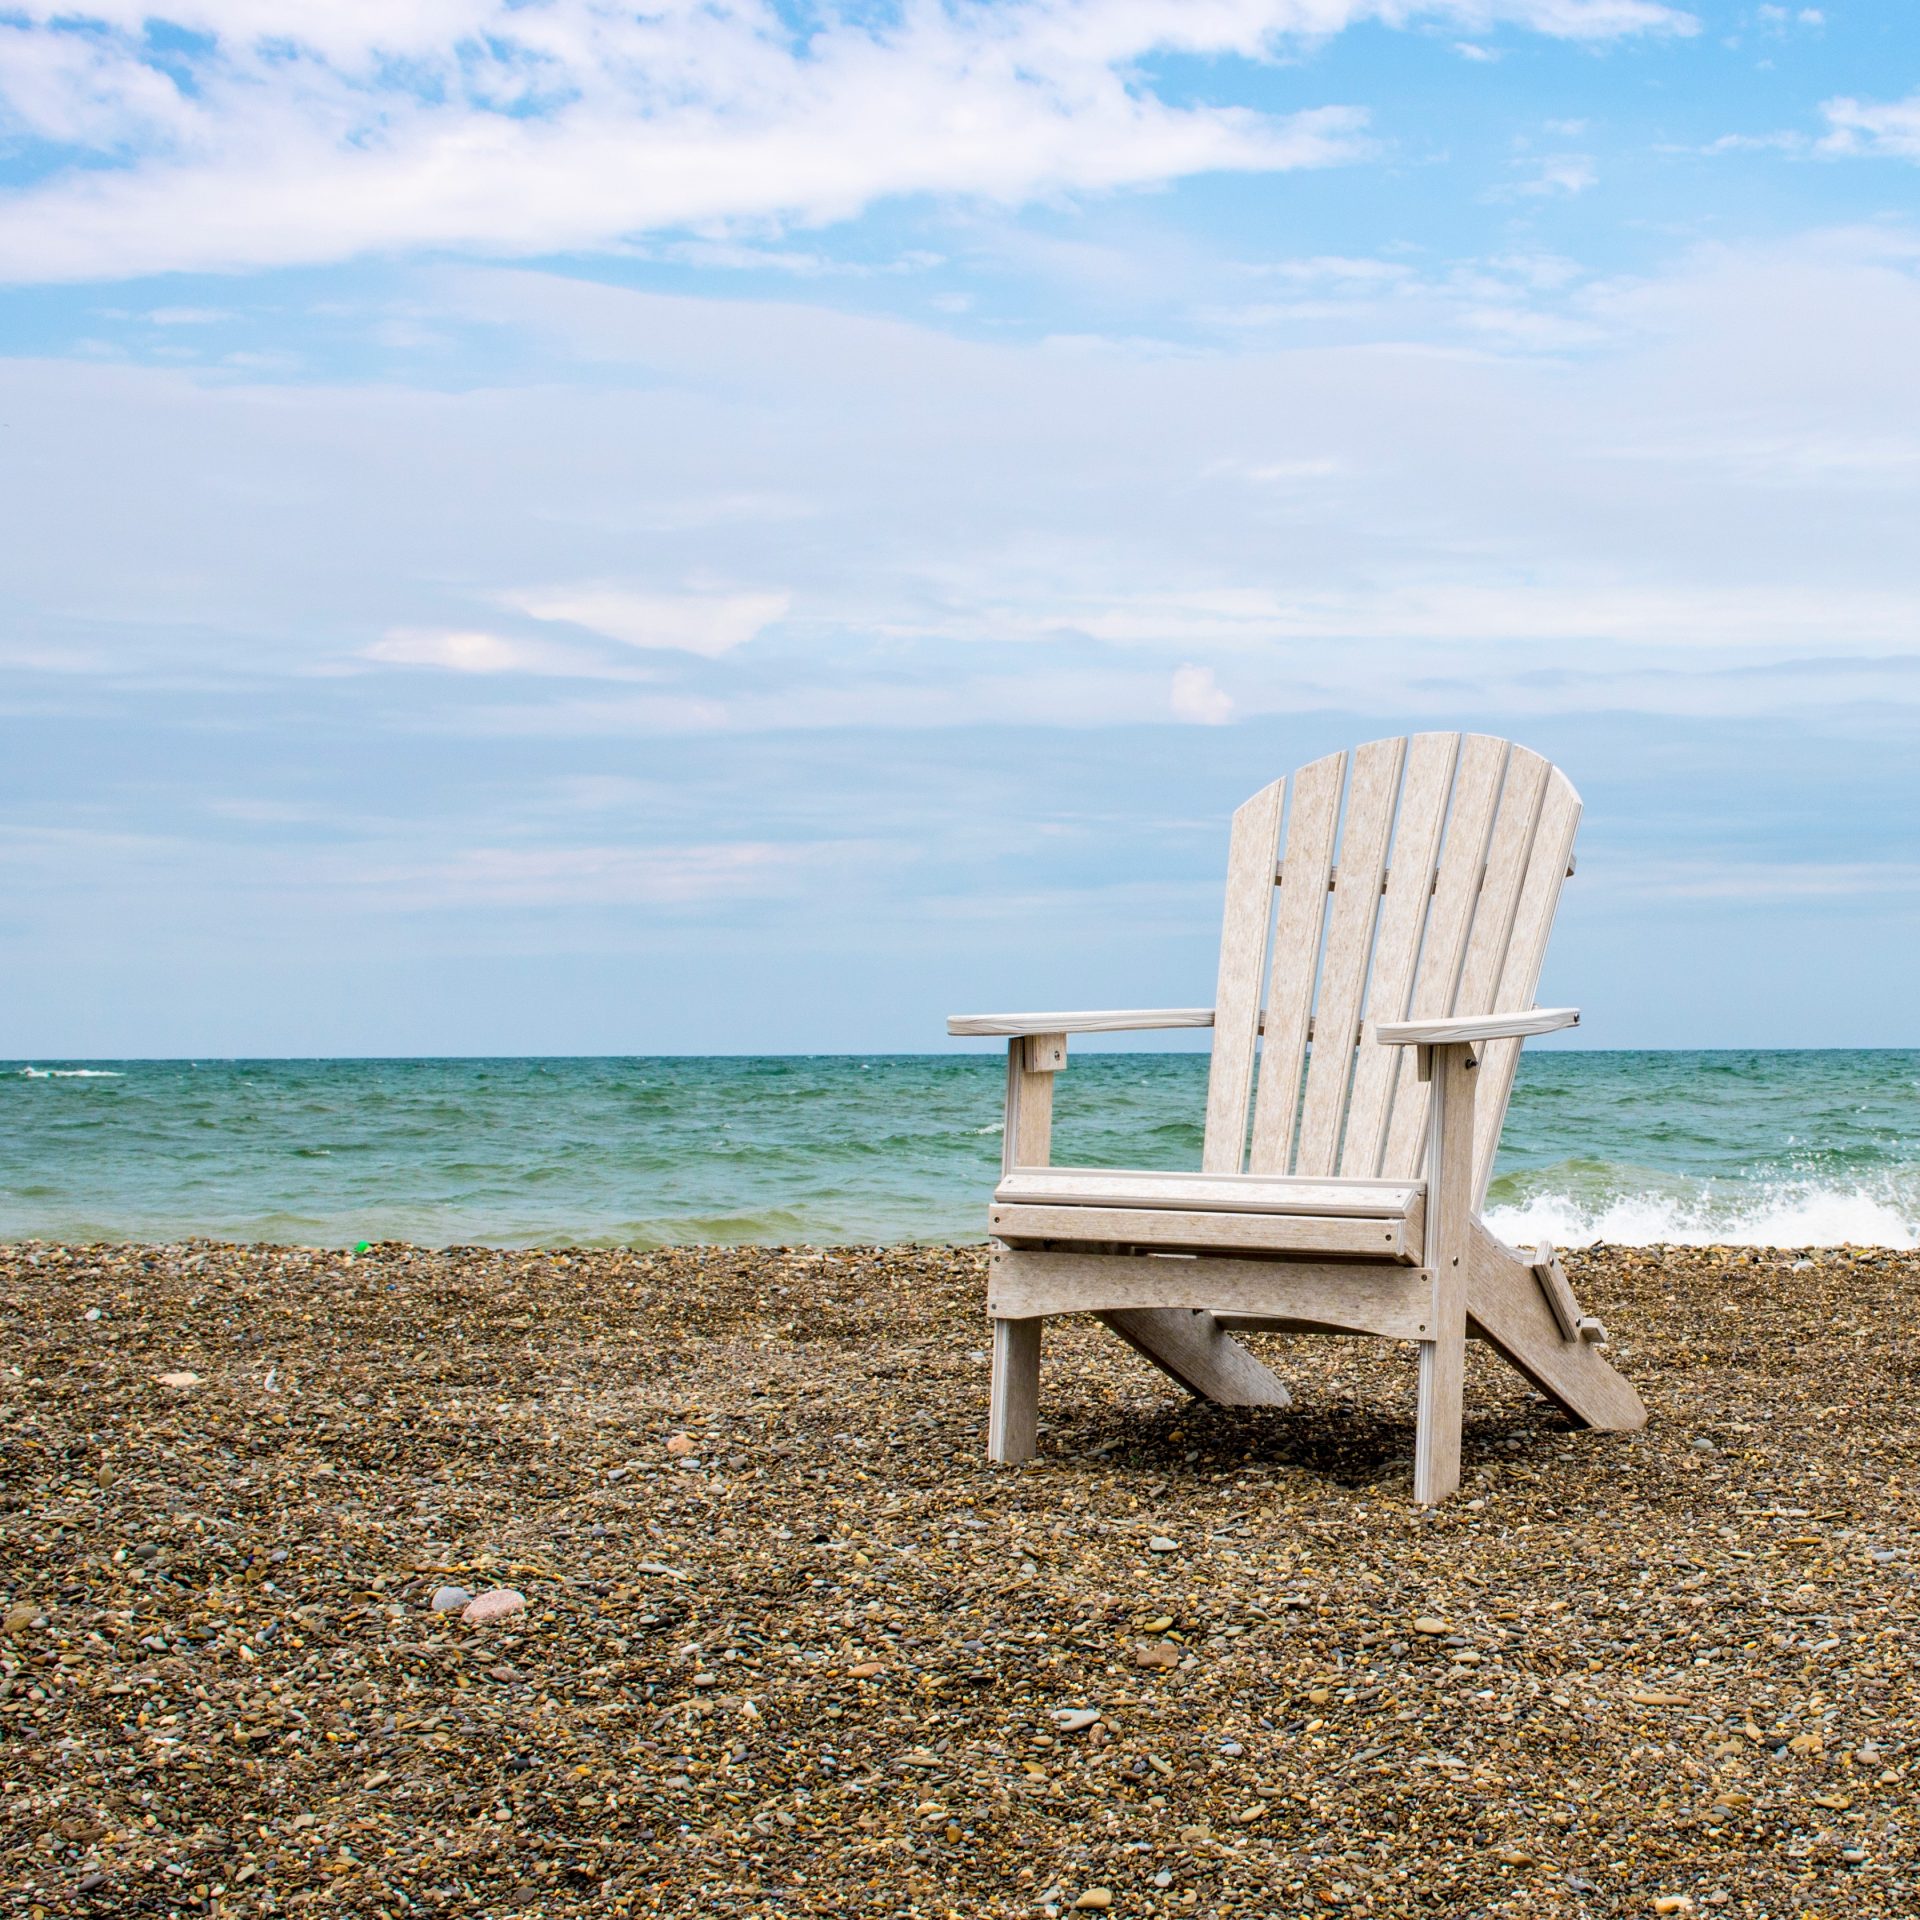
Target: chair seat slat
{"x": 1217, "y": 1192}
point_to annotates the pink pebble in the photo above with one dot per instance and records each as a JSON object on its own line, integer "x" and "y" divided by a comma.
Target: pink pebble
{"x": 495, "y": 1604}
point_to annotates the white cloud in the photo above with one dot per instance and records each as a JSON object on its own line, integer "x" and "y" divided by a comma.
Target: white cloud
{"x": 1777, "y": 879}
{"x": 615, "y": 875}
{"x": 1350, "y": 299}
{"x": 1560, "y": 173}
{"x": 458, "y": 652}
{"x": 704, "y": 623}
{"x": 1545, "y": 271}
{"x": 1873, "y": 127}
{"x": 1337, "y": 269}
{"x": 313, "y": 133}
{"x": 1197, "y": 696}
{"x": 1786, "y": 142}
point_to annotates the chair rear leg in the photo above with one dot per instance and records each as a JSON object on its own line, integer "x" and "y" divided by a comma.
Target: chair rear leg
{"x": 1013, "y": 1417}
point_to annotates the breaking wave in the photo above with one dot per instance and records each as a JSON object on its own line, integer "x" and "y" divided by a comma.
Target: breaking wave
{"x": 1786, "y": 1214}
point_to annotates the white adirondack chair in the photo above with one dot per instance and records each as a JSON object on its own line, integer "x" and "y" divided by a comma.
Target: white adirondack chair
{"x": 1385, "y": 1000}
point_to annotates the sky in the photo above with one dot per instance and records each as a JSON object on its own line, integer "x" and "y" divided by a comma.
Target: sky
{"x": 541, "y": 526}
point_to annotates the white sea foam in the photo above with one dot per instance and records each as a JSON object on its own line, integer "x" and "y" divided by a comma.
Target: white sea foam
{"x": 1768, "y": 1216}
{"x": 69, "y": 1073}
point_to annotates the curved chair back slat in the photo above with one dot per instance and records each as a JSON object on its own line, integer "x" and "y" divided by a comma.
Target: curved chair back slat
{"x": 1415, "y": 877}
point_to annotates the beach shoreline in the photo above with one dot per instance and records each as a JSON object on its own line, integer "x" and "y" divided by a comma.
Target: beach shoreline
{"x": 791, "y": 1647}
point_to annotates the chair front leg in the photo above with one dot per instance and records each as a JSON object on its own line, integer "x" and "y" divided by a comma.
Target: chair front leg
{"x": 1013, "y": 1415}
{"x": 1452, "y": 1071}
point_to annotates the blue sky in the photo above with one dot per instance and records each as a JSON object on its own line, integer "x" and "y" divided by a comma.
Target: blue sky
{"x": 536, "y": 527}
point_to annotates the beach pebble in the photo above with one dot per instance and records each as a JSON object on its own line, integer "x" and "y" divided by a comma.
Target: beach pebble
{"x": 1075, "y": 1719}
{"x": 182, "y": 1378}
{"x": 21, "y": 1615}
{"x": 495, "y": 1604}
{"x": 1431, "y": 1623}
{"x": 450, "y": 1599}
{"x": 680, "y": 1446}
{"x": 1094, "y": 1900}
{"x": 1161, "y": 1544}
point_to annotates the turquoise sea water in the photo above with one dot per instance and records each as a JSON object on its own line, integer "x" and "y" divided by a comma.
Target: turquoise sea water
{"x": 1782, "y": 1148}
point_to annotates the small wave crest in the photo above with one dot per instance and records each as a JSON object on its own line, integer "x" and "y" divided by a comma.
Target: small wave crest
{"x": 1763, "y": 1216}
{"x": 69, "y": 1073}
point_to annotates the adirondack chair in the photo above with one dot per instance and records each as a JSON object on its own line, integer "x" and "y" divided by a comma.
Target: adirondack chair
{"x": 1384, "y": 1000}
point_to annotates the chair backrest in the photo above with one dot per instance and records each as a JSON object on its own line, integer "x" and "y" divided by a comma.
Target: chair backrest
{"x": 1414, "y": 878}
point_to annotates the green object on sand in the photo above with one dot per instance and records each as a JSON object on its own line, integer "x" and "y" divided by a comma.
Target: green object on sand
{"x": 363, "y": 1246}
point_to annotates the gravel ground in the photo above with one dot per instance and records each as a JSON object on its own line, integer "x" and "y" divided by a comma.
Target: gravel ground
{"x": 790, "y": 1647}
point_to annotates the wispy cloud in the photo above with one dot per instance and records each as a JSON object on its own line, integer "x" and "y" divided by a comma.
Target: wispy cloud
{"x": 1780, "y": 880}
{"x": 1557, "y": 174}
{"x": 1856, "y": 129}
{"x": 466, "y": 650}
{"x": 1890, "y": 128}
{"x": 610, "y": 875}
{"x": 269, "y": 135}
{"x": 704, "y": 623}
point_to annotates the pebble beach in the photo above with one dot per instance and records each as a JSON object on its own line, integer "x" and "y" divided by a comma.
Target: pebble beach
{"x": 540, "y": 1583}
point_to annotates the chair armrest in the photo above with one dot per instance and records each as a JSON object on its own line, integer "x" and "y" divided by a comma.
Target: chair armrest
{"x": 1131, "y": 1020}
{"x": 1474, "y": 1026}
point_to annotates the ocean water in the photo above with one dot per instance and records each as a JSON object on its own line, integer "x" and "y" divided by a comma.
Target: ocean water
{"x": 1790, "y": 1149}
